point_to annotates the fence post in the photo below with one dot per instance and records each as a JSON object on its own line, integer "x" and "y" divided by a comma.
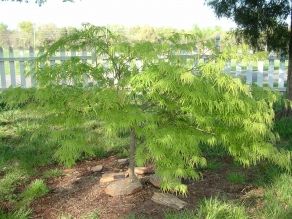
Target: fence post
{"x": 12, "y": 67}
{"x": 260, "y": 73}
{"x": 84, "y": 60}
{"x": 22, "y": 69}
{"x": 281, "y": 72}
{"x": 271, "y": 69}
{"x": 2, "y": 69}
{"x": 32, "y": 73}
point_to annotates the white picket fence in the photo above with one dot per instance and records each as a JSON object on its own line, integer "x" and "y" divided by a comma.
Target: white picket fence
{"x": 271, "y": 72}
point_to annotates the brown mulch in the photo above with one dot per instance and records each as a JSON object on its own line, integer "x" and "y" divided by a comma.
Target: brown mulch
{"x": 79, "y": 193}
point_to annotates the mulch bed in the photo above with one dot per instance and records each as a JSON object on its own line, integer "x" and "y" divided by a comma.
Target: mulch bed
{"x": 79, "y": 193}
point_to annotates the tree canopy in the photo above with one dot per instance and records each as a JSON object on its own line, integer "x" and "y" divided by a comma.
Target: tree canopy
{"x": 257, "y": 20}
{"x": 261, "y": 21}
{"x": 162, "y": 103}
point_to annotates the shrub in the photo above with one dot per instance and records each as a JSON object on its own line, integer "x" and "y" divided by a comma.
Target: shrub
{"x": 166, "y": 108}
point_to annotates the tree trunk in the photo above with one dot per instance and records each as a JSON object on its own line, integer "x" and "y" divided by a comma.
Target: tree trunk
{"x": 289, "y": 81}
{"x": 132, "y": 155}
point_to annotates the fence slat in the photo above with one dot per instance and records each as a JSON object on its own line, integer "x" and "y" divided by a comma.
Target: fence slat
{"x": 84, "y": 60}
{"x": 21, "y": 70}
{"x": 52, "y": 61}
{"x": 12, "y": 68}
{"x": 260, "y": 73}
{"x": 249, "y": 74}
{"x": 271, "y": 69}
{"x": 2, "y": 69}
{"x": 238, "y": 69}
{"x": 73, "y": 54}
{"x": 227, "y": 68}
{"x": 63, "y": 58}
{"x": 32, "y": 74}
{"x": 93, "y": 58}
{"x": 281, "y": 74}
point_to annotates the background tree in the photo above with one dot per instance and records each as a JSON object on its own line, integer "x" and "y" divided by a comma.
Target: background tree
{"x": 26, "y": 31}
{"x": 47, "y": 33}
{"x": 3, "y": 27}
{"x": 4, "y": 35}
{"x": 261, "y": 20}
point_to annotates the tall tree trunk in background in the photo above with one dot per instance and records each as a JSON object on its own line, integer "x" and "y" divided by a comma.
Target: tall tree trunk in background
{"x": 132, "y": 155}
{"x": 289, "y": 81}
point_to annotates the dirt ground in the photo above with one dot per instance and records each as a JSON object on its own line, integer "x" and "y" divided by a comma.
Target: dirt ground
{"x": 79, "y": 193}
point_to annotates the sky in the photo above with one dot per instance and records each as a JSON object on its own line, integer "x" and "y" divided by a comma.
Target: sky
{"x": 182, "y": 14}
